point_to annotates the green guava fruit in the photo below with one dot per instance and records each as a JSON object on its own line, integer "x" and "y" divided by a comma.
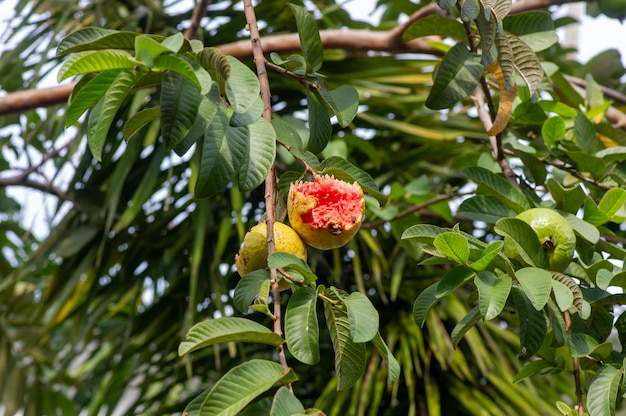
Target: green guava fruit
{"x": 555, "y": 235}
{"x": 326, "y": 212}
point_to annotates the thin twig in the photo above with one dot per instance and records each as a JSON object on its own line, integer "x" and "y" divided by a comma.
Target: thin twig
{"x": 270, "y": 180}
{"x": 575, "y": 368}
{"x": 198, "y": 13}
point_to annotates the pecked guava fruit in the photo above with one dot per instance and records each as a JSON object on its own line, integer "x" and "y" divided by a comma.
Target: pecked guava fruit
{"x": 326, "y": 212}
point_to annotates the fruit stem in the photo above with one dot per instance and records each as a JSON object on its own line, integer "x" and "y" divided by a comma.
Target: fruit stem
{"x": 270, "y": 180}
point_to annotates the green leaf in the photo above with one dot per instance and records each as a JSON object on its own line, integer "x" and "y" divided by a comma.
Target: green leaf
{"x": 149, "y": 45}
{"x": 186, "y": 67}
{"x": 563, "y": 295}
{"x": 243, "y": 384}
{"x": 533, "y": 327}
{"x": 94, "y": 38}
{"x": 498, "y": 187}
{"x": 288, "y": 136}
{"x": 95, "y": 61}
{"x": 278, "y": 260}
{"x": 301, "y": 326}
{"x": 484, "y": 208}
{"x": 453, "y": 279}
{"x": 253, "y": 114}
{"x": 89, "y": 94}
{"x": 227, "y": 329}
{"x": 457, "y": 77}
{"x": 524, "y": 238}
{"x": 175, "y": 42}
{"x": 470, "y": 10}
{"x": 363, "y": 317}
{"x": 343, "y": 102}
{"x": 603, "y": 390}
{"x": 536, "y": 28}
{"x": 567, "y": 199}
{"x": 393, "y": 368}
{"x": 180, "y": 100}
{"x": 493, "y": 291}
{"x": 500, "y": 8}
{"x": 424, "y": 301}
{"x": 217, "y": 160}
{"x": 537, "y": 285}
{"x": 553, "y": 130}
{"x": 581, "y": 345}
{"x": 285, "y": 403}
{"x": 320, "y": 128}
{"x": 310, "y": 39}
{"x": 242, "y": 86}
{"x": 110, "y": 104}
{"x": 531, "y": 369}
{"x": 585, "y": 134}
{"x": 489, "y": 253}
{"x": 434, "y": 25}
{"x": 613, "y": 205}
{"x": 259, "y": 141}
{"x": 588, "y": 163}
{"x": 350, "y": 356}
{"x": 468, "y": 322}
{"x": 423, "y": 233}
{"x": 248, "y": 288}
{"x": 139, "y": 120}
{"x": 454, "y": 246}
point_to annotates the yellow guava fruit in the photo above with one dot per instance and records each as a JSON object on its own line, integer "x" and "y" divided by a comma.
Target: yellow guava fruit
{"x": 253, "y": 252}
{"x": 555, "y": 234}
{"x": 326, "y": 212}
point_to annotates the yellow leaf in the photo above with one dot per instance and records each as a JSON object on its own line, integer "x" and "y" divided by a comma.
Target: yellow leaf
{"x": 505, "y": 106}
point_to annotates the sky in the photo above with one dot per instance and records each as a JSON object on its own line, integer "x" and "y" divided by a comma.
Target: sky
{"x": 595, "y": 35}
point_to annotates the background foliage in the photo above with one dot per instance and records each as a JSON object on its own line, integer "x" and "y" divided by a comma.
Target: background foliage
{"x": 92, "y": 314}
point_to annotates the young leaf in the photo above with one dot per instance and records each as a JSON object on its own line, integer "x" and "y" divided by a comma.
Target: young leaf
{"x": 285, "y": 403}
{"x": 87, "y": 96}
{"x": 310, "y": 39}
{"x": 498, "y": 187}
{"x": 613, "y": 204}
{"x": 424, "y": 301}
{"x": 241, "y": 385}
{"x": 489, "y": 253}
{"x": 454, "y": 246}
{"x": 603, "y": 390}
{"x": 457, "y": 77}
{"x": 453, "y": 279}
{"x": 537, "y": 285}
{"x": 553, "y": 130}
{"x": 350, "y": 356}
{"x": 493, "y": 291}
{"x": 227, "y": 329}
{"x": 301, "y": 326}
{"x": 532, "y": 324}
{"x": 363, "y": 317}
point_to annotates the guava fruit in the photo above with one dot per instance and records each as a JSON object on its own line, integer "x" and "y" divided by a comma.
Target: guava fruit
{"x": 326, "y": 212}
{"x": 555, "y": 234}
{"x": 253, "y": 252}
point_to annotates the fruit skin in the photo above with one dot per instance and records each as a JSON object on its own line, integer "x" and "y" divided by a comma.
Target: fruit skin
{"x": 555, "y": 234}
{"x": 253, "y": 253}
{"x": 326, "y": 212}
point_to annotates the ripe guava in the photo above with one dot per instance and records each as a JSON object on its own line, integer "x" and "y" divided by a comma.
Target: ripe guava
{"x": 253, "y": 252}
{"x": 555, "y": 234}
{"x": 326, "y": 212}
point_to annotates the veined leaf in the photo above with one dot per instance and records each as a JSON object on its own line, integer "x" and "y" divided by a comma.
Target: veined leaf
{"x": 500, "y": 8}
{"x": 498, "y": 187}
{"x": 150, "y": 46}
{"x": 468, "y": 322}
{"x": 525, "y": 240}
{"x": 89, "y": 94}
{"x": 139, "y": 120}
{"x": 585, "y": 133}
{"x": 506, "y": 59}
{"x": 248, "y": 289}
{"x": 537, "y": 285}
{"x": 259, "y": 141}
{"x": 526, "y": 62}
{"x": 242, "y": 86}
{"x": 577, "y": 294}
{"x": 241, "y": 385}
{"x": 217, "y": 64}
{"x": 470, "y": 10}
{"x": 350, "y": 356}
{"x": 319, "y": 122}
{"x": 95, "y": 61}
{"x": 453, "y": 246}
{"x": 434, "y": 25}
{"x": 424, "y": 233}
{"x": 484, "y": 208}
{"x": 457, "y": 77}
{"x": 253, "y": 114}
{"x": 533, "y": 327}
{"x": 553, "y": 130}
{"x": 531, "y": 369}
{"x": 603, "y": 389}
{"x": 110, "y": 104}
{"x": 488, "y": 30}
{"x": 508, "y": 93}
{"x": 343, "y": 102}
{"x": 180, "y": 100}
{"x": 310, "y": 39}
{"x": 489, "y": 253}
{"x": 363, "y": 317}
{"x": 301, "y": 326}
{"x": 286, "y": 404}
{"x": 227, "y": 329}
{"x": 493, "y": 291}
{"x": 393, "y": 368}
{"x": 95, "y": 38}
{"x": 453, "y": 279}
{"x": 288, "y": 136}
{"x": 536, "y": 28}
{"x": 186, "y": 67}
{"x": 287, "y": 261}
{"x": 613, "y": 204}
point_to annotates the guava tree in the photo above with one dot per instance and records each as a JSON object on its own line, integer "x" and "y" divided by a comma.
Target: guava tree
{"x": 485, "y": 278}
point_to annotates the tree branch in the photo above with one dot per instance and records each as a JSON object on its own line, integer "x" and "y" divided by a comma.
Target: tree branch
{"x": 198, "y": 13}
